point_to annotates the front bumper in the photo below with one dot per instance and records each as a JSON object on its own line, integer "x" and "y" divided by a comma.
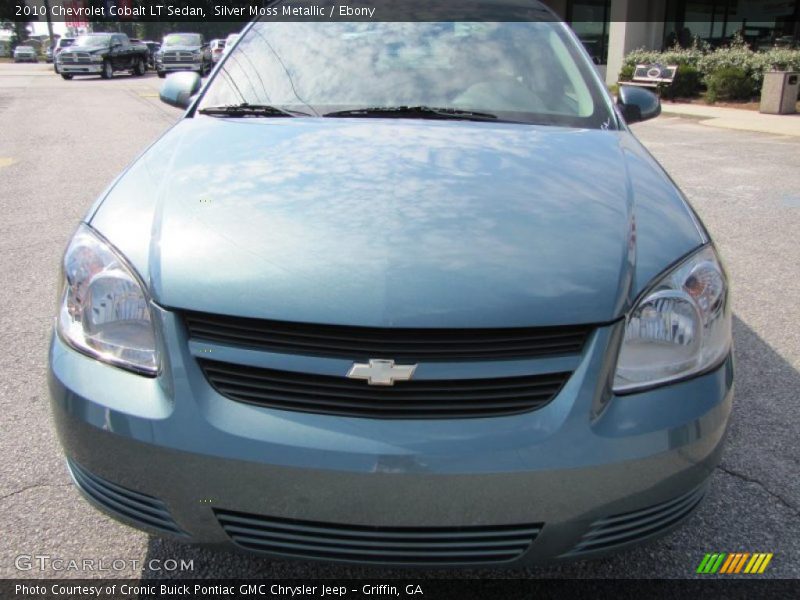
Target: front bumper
{"x": 81, "y": 69}
{"x": 196, "y": 458}
{"x": 171, "y": 67}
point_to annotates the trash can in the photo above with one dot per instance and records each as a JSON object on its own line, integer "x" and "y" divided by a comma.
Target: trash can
{"x": 779, "y": 93}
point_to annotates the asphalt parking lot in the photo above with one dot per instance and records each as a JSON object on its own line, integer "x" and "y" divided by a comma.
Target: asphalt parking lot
{"x": 62, "y": 142}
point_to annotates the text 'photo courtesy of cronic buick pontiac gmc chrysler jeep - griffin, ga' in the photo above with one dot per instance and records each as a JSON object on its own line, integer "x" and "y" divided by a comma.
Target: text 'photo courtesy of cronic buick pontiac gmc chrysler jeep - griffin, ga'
{"x": 403, "y": 292}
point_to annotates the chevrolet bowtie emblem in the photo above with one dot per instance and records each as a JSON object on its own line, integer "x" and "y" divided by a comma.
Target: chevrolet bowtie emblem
{"x": 381, "y": 372}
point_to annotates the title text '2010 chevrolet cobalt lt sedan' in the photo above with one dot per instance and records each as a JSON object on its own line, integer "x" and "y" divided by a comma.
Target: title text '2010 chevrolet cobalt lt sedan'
{"x": 399, "y": 293}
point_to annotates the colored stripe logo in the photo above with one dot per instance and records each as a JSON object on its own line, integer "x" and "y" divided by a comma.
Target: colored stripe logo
{"x": 732, "y": 563}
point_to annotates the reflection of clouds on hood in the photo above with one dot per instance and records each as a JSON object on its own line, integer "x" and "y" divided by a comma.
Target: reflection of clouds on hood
{"x": 447, "y": 208}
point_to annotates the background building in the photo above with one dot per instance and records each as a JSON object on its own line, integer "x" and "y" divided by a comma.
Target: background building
{"x": 611, "y": 28}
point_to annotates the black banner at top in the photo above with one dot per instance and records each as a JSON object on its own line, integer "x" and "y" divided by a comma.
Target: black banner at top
{"x": 83, "y": 11}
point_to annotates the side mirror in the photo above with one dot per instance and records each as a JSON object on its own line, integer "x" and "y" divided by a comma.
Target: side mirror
{"x": 638, "y": 104}
{"x": 178, "y": 89}
{"x": 116, "y": 45}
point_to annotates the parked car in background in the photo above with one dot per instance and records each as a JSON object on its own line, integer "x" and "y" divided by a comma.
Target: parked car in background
{"x": 103, "y": 54}
{"x": 48, "y": 54}
{"x": 25, "y": 54}
{"x": 63, "y": 42}
{"x": 230, "y": 41}
{"x": 401, "y": 293}
{"x": 217, "y": 48}
{"x": 183, "y": 52}
{"x": 153, "y": 48}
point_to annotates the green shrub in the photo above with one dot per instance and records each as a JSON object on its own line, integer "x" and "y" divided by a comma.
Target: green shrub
{"x": 673, "y": 56}
{"x": 730, "y": 83}
{"x": 626, "y": 73}
{"x": 698, "y": 64}
{"x": 688, "y": 84}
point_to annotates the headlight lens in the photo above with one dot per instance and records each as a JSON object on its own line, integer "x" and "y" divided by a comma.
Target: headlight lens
{"x": 104, "y": 310}
{"x": 680, "y": 328}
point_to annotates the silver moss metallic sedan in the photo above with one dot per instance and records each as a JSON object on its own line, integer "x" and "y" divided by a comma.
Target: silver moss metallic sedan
{"x": 407, "y": 293}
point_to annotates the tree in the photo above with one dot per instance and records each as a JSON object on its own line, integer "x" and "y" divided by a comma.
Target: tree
{"x": 149, "y": 30}
{"x": 21, "y": 31}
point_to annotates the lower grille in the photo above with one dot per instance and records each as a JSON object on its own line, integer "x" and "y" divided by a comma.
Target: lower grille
{"x": 633, "y": 526}
{"x": 416, "y": 399}
{"x": 402, "y": 545}
{"x": 140, "y": 508}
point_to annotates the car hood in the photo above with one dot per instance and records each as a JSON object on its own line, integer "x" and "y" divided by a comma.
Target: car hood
{"x": 396, "y": 222}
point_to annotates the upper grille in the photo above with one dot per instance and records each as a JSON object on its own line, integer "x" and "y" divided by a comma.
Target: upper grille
{"x": 637, "y": 525}
{"x": 401, "y": 545}
{"x": 415, "y": 345}
{"x": 76, "y": 57}
{"x": 415, "y": 399}
{"x": 177, "y": 57}
{"x": 134, "y": 506}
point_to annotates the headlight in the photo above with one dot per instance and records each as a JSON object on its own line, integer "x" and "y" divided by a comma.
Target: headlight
{"x": 681, "y": 327}
{"x": 104, "y": 310}
{"x": 98, "y": 58}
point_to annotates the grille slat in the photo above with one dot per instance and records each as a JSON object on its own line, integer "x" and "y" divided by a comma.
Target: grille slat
{"x": 415, "y": 344}
{"x": 429, "y": 409}
{"x": 366, "y": 394}
{"x": 630, "y": 527}
{"x": 395, "y": 402}
{"x": 510, "y": 383}
{"x": 393, "y": 348}
{"x": 137, "y": 507}
{"x": 404, "y": 555}
{"x": 404, "y": 545}
{"x": 642, "y": 527}
{"x": 355, "y": 543}
{"x": 401, "y": 337}
{"x": 325, "y": 394}
{"x": 384, "y": 533}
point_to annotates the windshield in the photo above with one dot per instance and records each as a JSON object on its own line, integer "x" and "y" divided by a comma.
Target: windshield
{"x": 522, "y": 71}
{"x": 182, "y": 39}
{"x": 92, "y": 41}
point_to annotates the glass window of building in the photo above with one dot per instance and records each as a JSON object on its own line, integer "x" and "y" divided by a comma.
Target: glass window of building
{"x": 590, "y": 19}
{"x": 762, "y": 23}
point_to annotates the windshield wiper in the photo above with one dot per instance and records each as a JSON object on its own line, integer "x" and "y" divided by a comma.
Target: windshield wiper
{"x": 250, "y": 110}
{"x": 413, "y": 112}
